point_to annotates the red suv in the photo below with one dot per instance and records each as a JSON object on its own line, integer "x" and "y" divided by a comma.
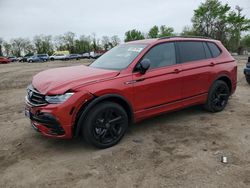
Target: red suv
{"x": 131, "y": 82}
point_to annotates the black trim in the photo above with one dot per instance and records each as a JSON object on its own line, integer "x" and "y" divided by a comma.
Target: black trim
{"x": 49, "y": 121}
{"x": 86, "y": 107}
{"x": 179, "y": 100}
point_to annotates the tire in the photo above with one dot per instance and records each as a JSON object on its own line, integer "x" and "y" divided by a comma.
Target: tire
{"x": 52, "y": 59}
{"x": 97, "y": 128}
{"x": 248, "y": 79}
{"x": 217, "y": 97}
{"x": 30, "y": 61}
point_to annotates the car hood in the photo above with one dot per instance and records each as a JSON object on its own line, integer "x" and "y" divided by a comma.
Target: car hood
{"x": 59, "y": 80}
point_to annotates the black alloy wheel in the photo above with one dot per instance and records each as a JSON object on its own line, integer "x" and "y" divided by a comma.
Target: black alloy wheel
{"x": 105, "y": 125}
{"x": 217, "y": 97}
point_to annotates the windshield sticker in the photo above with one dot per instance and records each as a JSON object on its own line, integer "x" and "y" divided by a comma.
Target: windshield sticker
{"x": 135, "y": 49}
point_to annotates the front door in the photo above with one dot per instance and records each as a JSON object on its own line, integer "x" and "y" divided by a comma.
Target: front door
{"x": 161, "y": 84}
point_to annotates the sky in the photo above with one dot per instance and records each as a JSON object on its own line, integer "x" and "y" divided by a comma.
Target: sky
{"x": 27, "y": 18}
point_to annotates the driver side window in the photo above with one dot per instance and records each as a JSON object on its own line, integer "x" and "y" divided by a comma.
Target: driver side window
{"x": 161, "y": 55}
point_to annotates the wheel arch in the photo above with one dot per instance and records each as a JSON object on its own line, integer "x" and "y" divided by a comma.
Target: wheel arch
{"x": 85, "y": 108}
{"x": 227, "y": 80}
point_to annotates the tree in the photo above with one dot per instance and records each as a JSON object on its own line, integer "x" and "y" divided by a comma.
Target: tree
{"x": 153, "y": 32}
{"x": 245, "y": 41}
{"x": 95, "y": 43}
{"x": 1, "y": 42}
{"x": 188, "y": 31}
{"x": 43, "y": 44}
{"x": 218, "y": 21}
{"x": 133, "y": 35}
{"x": 83, "y": 44}
{"x": 17, "y": 46}
{"x": 166, "y": 31}
{"x": 115, "y": 40}
{"x": 7, "y": 48}
{"x": 106, "y": 43}
{"x": 69, "y": 40}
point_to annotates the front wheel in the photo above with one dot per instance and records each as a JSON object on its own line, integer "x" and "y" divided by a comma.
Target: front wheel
{"x": 248, "y": 79}
{"x": 105, "y": 125}
{"x": 217, "y": 97}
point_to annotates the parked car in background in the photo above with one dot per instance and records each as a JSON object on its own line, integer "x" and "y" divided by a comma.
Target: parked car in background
{"x": 97, "y": 54}
{"x": 4, "y": 60}
{"x": 38, "y": 58}
{"x": 85, "y": 55}
{"x": 129, "y": 83}
{"x": 58, "y": 57}
{"x": 24, "y": 58}
{"x": 247, "y": 71}
{"x": 12, "y": 58}
{"x": 73, "y": 56}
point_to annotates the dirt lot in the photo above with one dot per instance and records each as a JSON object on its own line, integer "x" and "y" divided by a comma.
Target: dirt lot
{"x": 181, "y": 149}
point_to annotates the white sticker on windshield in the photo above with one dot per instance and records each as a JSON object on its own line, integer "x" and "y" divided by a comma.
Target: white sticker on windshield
{"x": 135, "y": 49}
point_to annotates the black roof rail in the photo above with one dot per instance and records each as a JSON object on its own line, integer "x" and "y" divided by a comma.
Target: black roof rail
{"x": 169, "y": 37}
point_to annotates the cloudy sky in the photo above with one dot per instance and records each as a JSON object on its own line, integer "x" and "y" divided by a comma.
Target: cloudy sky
{"x": 26, "y": 18}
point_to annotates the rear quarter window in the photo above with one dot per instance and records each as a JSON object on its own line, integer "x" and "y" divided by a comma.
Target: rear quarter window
{"x": 191, "y": 51}
{"x": 214, "y": 49}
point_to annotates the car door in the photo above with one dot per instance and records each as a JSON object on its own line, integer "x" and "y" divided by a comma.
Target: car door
{"x": 197, "y": 66}
{"x": 161, "y": 84}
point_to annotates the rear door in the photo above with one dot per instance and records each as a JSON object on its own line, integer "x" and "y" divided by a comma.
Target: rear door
{"x": 161, "y": 84}
{"x": 197, "y": 67}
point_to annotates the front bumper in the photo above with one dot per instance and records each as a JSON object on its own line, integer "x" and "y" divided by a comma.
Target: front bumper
{"x": 247, "y": 71}
{"x": 56, "y": 120}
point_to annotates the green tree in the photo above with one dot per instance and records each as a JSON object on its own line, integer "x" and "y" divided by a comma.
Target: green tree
{"x": 83, "y": 44}
{"x": 153, "y": 32}
{"x": 218, "y": 21}
{"x": 188, "y": 31}
{"x": 43, "y": 44}
{"x": 245, "y": 41}
{"x": 166, "y": 31}
{"x": 133, "y": 35}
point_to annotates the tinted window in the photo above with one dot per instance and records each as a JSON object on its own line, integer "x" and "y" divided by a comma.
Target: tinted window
{"x": 214, "y": 49}
{"x": 207, "y": 51}
{"x": 191, "y": 51}
{"x": 161, "y": 55}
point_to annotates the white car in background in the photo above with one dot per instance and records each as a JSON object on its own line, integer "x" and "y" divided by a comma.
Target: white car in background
{"x": 58, "y": 57}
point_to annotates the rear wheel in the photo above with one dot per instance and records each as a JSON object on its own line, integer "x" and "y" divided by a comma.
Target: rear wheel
{"x": 248, "y": 79}
{"x": 105, "y": 125}
{"x": 217, "y": 96}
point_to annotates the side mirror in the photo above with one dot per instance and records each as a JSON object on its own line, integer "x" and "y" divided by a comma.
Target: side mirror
{"x": 144, "y": 66}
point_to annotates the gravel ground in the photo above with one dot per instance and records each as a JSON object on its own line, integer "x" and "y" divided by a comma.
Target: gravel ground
{"x": 180, "y": 149}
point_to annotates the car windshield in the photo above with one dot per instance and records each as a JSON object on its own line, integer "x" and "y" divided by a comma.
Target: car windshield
{"x": 119, "y": 57}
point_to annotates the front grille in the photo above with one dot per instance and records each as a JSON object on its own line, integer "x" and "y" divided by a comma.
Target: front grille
{"x": 34, "y": 97}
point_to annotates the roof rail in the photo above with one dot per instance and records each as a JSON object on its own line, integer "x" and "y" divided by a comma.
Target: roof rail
{"x": 169, "y": 37}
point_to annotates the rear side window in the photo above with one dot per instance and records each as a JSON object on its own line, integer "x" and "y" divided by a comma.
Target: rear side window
{"x": 207, "y": 51}
{"x": 214, "y": 49}
{"x": 191, "y": 51}
{"x": 161, "y": 55}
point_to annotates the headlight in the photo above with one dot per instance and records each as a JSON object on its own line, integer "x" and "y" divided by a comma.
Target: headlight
{"x": 55, "y": 99}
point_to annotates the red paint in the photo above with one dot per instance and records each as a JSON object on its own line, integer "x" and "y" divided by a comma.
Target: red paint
{"x": 4, "y": 60}
{"x": 161, "y": 90}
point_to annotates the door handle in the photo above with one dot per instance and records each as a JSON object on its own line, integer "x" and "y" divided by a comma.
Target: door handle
{"x": 212, "y": 64}
{"x": 176, "y": 71}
